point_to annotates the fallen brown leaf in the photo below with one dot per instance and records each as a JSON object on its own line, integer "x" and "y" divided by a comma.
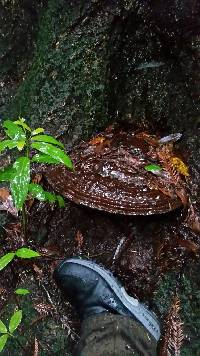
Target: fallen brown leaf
{"x": 188, "y": 245}
{"x": 6, "y": 202}
{"x": 38, "y": 271}
{"x": 4, "y": 194}
{"x": 79, "y": 239}
{"x": 97, "y": 140}
{"x": 37, "y": 178}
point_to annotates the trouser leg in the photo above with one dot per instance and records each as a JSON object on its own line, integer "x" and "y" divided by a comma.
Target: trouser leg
{"x": 114, "y": 335}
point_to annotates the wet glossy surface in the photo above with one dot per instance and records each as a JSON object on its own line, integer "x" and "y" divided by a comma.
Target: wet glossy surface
{"x": 109, "y": 175}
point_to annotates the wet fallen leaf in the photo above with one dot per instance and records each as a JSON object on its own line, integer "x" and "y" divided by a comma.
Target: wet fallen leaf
{"x": 79, "y": 239}
{"x": 4, "y": 194}
{"x": 97, "y": 140}
{"x": 9, "y": 207}
{"x": 181, "y": 193}
{"x": 14, "y": 228}
{"x": 38, "y": 271}
{"x": 6, "y": 202}
{"x": 2, "y": 291}
{"x": 50, "y": 251}
{"x": 188, "y": 245}
{"x": 193, "y": 219}
{"x": 150, "y": 139}
{"x": 195, "y": 225}
{"x": 37, "y": 178}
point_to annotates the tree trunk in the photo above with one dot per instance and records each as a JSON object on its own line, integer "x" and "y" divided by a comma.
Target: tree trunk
{"x": 97, "y": 62}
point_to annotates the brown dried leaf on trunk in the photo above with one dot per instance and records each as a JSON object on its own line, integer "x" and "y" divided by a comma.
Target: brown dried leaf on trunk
{"x": 173, "y": 337}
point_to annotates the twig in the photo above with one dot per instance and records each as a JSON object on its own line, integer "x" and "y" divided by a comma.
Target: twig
{"x": 48, "y": 297}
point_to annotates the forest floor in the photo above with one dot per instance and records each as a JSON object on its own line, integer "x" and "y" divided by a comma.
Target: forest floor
{"x": 129, "y": 246}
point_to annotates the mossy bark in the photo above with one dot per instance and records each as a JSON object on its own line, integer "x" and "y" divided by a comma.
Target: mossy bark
{"x": 100, "y": 61}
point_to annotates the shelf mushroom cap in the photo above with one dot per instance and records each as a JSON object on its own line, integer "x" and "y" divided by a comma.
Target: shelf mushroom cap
{"x": 109, "y": 174}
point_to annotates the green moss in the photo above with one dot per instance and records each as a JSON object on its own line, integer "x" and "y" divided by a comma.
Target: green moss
{"x": 66, "y": 83}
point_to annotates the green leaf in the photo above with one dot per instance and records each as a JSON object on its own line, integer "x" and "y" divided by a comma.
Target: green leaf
{"x": 3, "y": 328}
{"x": 37, "y": 191}
{"x": 37, "y": 131}
{"x": 22, "y": 291}
{"x": 61, "y": 201}
{"x": 21, "y": 122}
{"x": 7, "y": 144}
{"x": 20, "y": 145}
{"x": 19, "y": 184}
{"x": 4, "y": 145}
{"x": 7, "y": 175}
{"x": 50, "y": 197}
{"x": 54, "y": 152}
{"x": 152, "y": 168}
{"x": 47, "y": 138}
{"x": 42, "y": 158}
{"x": 13, "y": 131}
{"x": 26, "y": 253}
{"x": 15, "y": 321}
{"x": 6, "y": 259}
{"x": 3, "y": 340}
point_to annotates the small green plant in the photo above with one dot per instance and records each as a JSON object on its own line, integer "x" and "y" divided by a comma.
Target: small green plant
{"x": 24, "y": 139}
{"x": 153, "y": 168}
{"x": 23, "y": 252}
{"x": 22, "y": 291}
{"x": 14, "y": 322}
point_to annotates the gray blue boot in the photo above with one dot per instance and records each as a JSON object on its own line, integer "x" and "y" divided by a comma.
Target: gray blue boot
{"x": 92, "y": 290}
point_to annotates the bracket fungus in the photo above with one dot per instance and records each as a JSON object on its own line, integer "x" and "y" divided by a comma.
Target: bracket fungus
{"x": 112, "y": 172}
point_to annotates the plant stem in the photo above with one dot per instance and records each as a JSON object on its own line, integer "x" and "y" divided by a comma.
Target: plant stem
{"x": 27, "y": 147}
{"x": 24, "y": 215}
{"x": 24, "y": 221}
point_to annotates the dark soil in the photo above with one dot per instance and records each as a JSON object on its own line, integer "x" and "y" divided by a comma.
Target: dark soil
{"x": 151, "y": 247}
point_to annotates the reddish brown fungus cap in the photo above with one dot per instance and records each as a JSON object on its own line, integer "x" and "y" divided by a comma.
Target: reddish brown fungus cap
{"x": 109, "y": 174}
